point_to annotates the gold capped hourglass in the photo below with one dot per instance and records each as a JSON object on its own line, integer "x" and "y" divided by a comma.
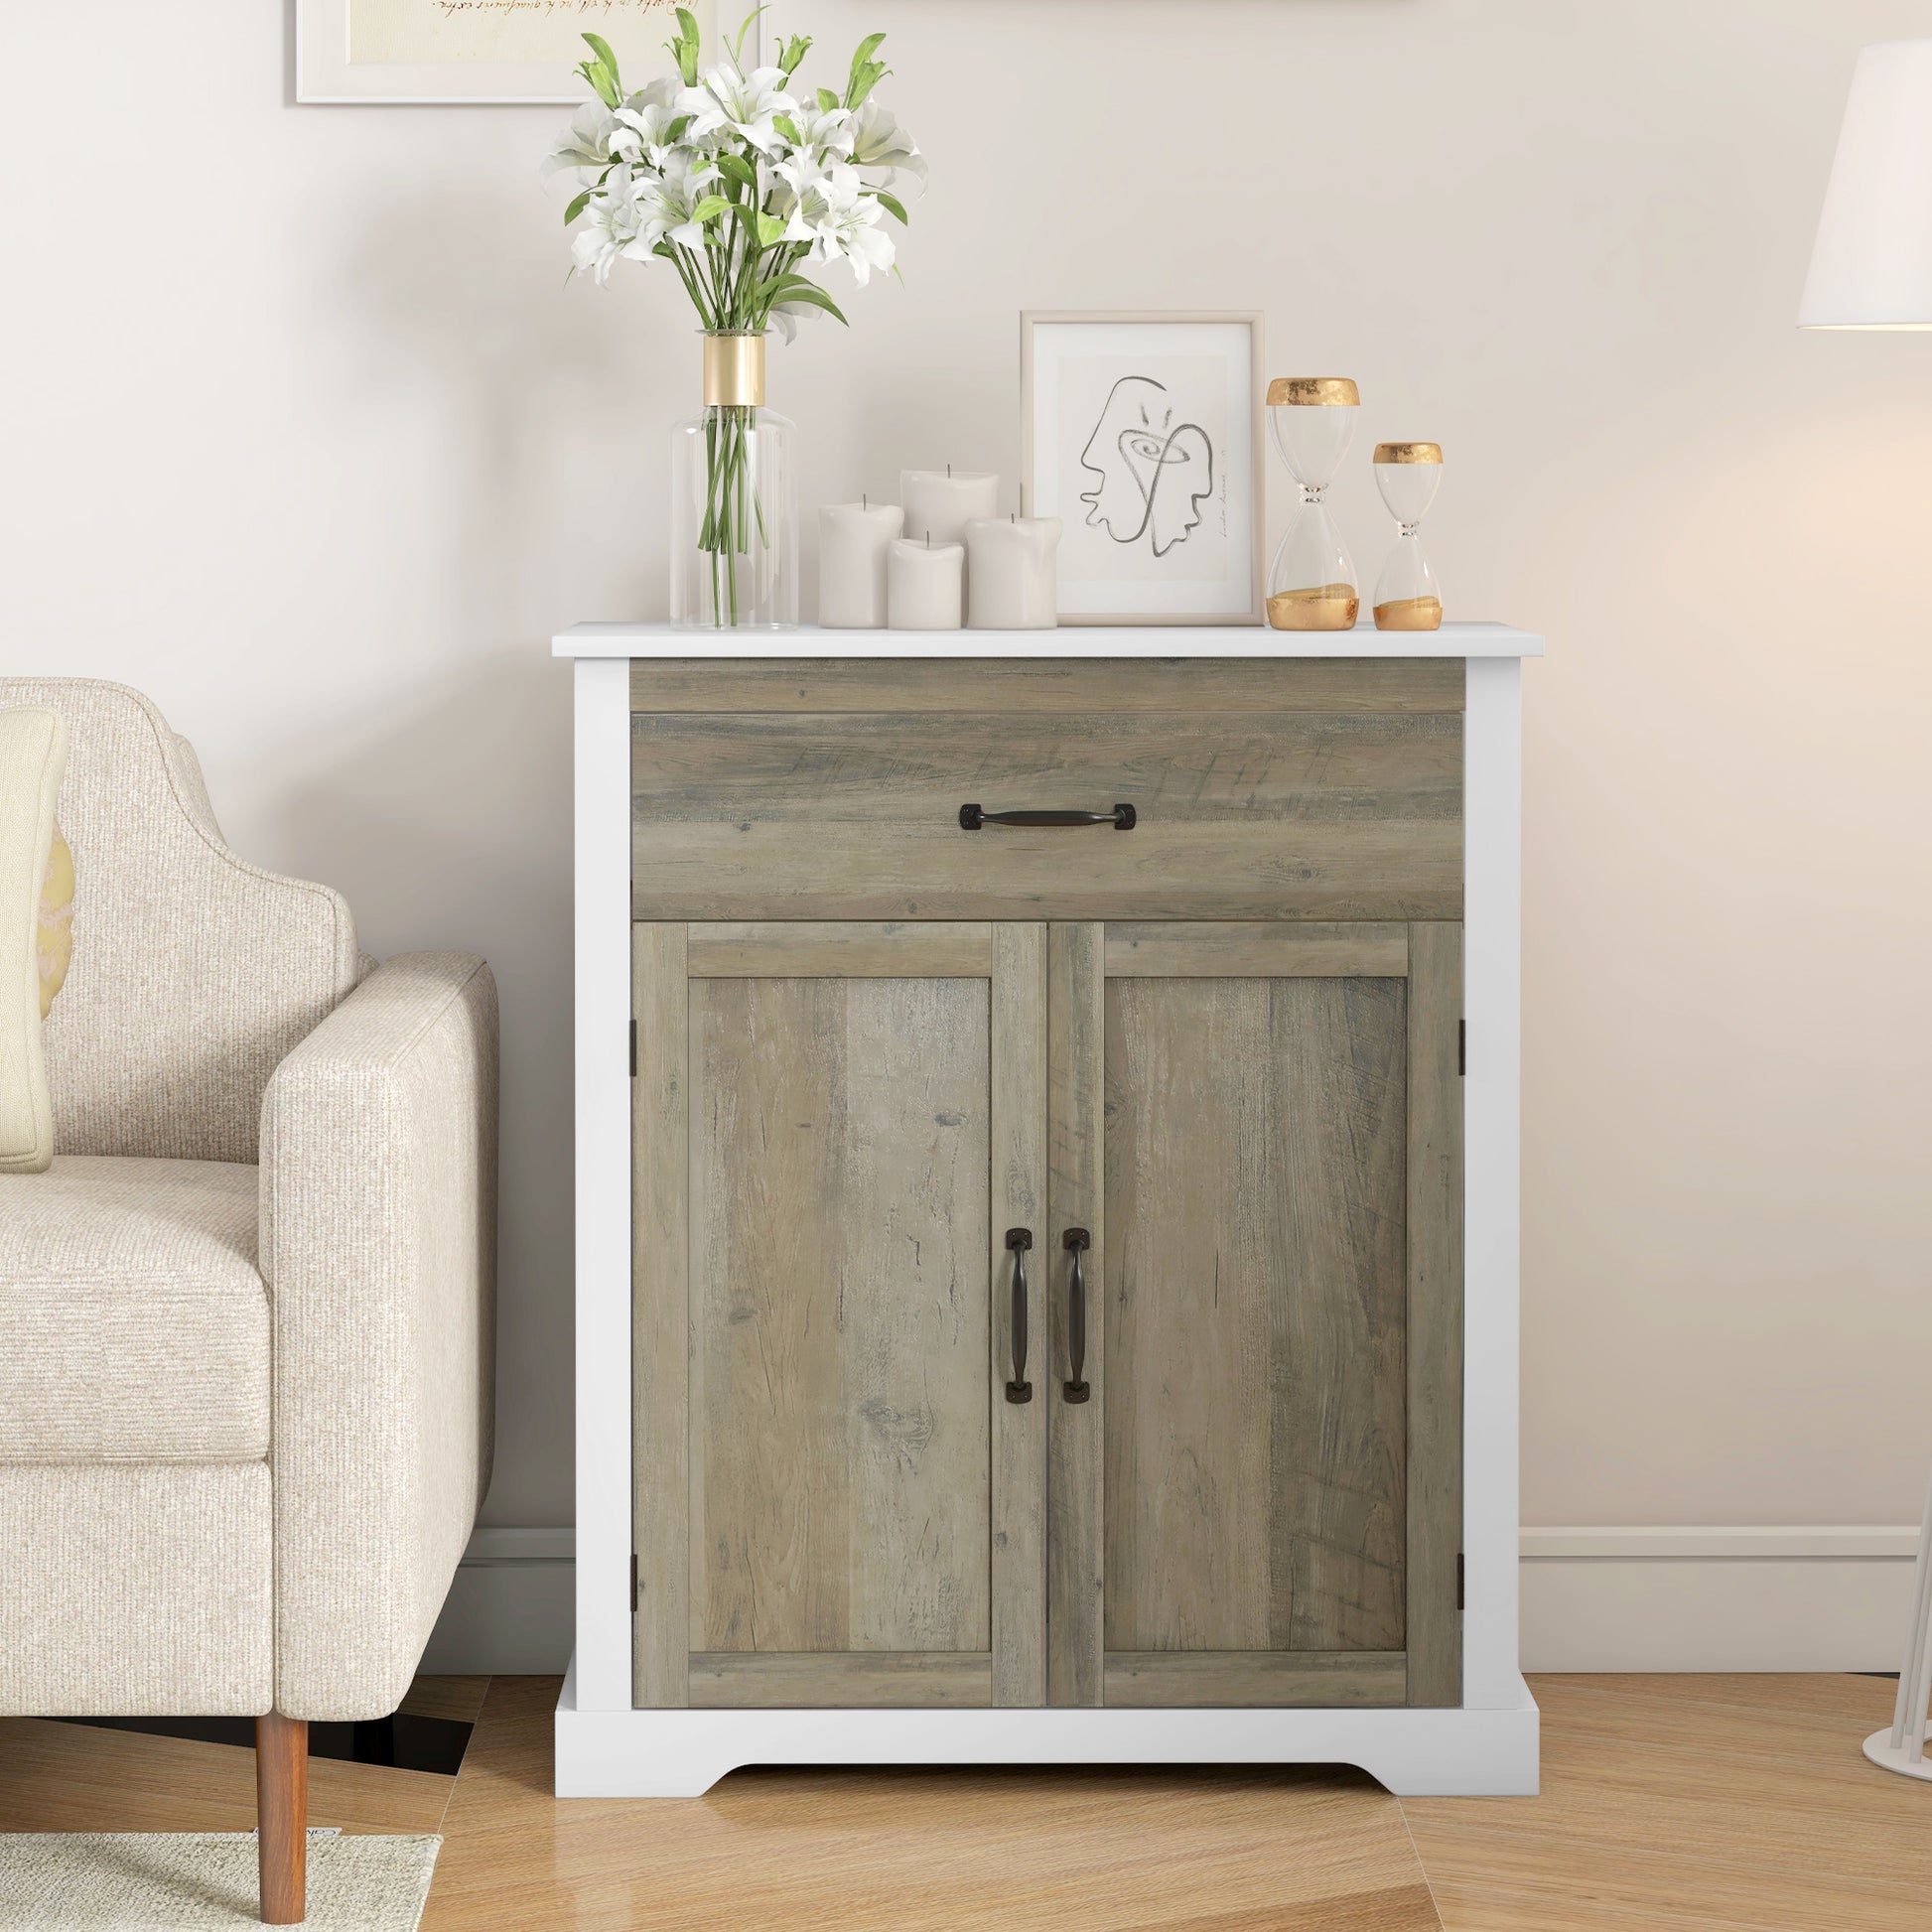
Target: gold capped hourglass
{"x": 1311, "y": 582}
{"x": 1407, "y": 597}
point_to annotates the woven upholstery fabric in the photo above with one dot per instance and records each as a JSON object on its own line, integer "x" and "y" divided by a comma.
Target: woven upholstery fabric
{"x": 194, "y": 972}
{"x": 378, "y": 1179}
{"x": 133, "y": 1324}
{"x": 135, "y": 1590}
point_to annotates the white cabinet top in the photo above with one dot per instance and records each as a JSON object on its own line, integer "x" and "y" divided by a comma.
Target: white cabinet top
{"x": 1072, "y": 640}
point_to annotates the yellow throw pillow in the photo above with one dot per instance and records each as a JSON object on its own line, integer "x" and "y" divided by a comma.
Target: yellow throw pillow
{"x": 54, "y": 935}
{"x": 33, "y": 757}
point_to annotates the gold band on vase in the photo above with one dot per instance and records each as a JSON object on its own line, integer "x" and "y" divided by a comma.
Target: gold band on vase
{"x": 1297, "y": 391}
{"x": 1408, "y": 452}
{"x": 734, "y": 371}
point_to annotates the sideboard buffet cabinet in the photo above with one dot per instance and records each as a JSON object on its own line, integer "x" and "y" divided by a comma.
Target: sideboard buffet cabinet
{"x": 1047, "y": 1202}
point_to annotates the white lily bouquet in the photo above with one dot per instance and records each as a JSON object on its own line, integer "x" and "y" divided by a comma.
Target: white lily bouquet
{"x": 739, "y": 179}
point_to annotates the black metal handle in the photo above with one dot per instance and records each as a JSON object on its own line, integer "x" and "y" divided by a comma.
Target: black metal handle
{"x": 1123, "y": 818}
{"x": 1076, "y": 1241}
{"x": 1019, "y": 1240}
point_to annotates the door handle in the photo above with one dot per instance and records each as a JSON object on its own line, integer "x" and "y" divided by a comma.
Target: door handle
{"x": 1123, "y": 818}
{"x": 1076, "y": 1242}
{"x": 1019, "y": 1240}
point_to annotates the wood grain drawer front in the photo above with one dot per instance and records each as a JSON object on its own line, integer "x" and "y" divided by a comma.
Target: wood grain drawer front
{"x": 1263, "y": 814}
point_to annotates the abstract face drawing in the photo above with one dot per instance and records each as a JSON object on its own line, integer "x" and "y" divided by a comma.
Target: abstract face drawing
{"x": 1153, "y": 471}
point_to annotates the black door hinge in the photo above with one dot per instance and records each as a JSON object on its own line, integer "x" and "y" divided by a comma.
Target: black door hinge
{"x": 634, "y": 1585}
{"x": 1461, "y": 1047}
{"x": 633, "y": 1049}
{"x": 1458, "y": 1583}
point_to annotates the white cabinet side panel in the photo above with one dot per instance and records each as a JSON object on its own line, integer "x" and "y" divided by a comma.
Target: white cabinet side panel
{"x": 602, "y": 1122}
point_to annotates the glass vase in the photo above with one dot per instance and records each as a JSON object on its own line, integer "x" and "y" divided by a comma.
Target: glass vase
{"x": 733, "y": 500}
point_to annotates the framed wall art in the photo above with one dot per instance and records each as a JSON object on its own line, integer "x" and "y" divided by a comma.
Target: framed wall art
{"x": 1140, "y": 432}
{"x": 478, "y": 50}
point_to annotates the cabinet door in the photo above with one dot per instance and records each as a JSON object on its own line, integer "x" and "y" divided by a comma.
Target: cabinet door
{"x": 836, "y": 1126}
{"x": 1258, "y": 1129}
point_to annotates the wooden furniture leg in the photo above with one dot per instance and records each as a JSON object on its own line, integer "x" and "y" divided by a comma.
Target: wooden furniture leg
{"x": 281, "y": 1816}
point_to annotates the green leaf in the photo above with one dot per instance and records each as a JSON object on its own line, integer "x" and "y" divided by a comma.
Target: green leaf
{"x": 813, "y": 297}
{"x": 675, "y": 132}
{"x": 597, "y": 77}
{"x": 710, "y": 209}
{"x": 578, "y": 206}
{"x": 827, "y": 101}
{"x": 602, "y": 49}
{"x": 866, "y": 71}
{"x": 736, "y": 168}
{"x": 769, "y": 228}
{"x": 794, "y": 52}
{"x": 863, "y": 82}
{"x": 788, "y": 128}
{"x": 892, "y": 205}
{"x": 745, "y": 27}
{"x": 684, "y": 49}
{"x": 601, "y": 72}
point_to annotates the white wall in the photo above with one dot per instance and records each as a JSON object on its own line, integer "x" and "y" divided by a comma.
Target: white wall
{"x": 306, "y": 436}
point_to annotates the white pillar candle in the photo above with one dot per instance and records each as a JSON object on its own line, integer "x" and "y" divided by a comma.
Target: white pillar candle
{"x": 1013, "y": 571}
{"x": 923, "y": 585}
{"x": 938, "y": 502}
{"x": 851, "y": 540}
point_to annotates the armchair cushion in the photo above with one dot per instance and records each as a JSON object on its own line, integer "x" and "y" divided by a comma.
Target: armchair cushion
{"x": 133, "y": 1322}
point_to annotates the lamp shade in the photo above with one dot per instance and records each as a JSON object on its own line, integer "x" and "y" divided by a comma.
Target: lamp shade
{"x": 1872, "y": 265}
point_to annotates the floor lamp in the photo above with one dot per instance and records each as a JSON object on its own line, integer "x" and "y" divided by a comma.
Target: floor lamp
{"x": 1871, "y": 268}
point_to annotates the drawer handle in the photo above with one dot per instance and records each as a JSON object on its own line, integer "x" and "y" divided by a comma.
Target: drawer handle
{"x": 1076, "y": 1241}
{"x": 1122, "y": 819}
{"x": 1019, "y": 1240}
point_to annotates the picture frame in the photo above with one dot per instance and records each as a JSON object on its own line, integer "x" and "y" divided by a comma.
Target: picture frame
{"x": 1141, "y": 431}
{"x": 499, "y": 52}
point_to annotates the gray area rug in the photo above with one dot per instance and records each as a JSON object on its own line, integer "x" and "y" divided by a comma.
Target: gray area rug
{"x": 160, "y": 1881}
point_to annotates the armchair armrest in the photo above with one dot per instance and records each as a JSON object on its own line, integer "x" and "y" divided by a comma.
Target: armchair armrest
{"x": 378, "y": 1233}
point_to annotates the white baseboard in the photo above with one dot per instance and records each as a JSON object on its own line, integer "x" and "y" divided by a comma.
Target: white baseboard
{"x": 1717, "y": 1598}
{"x": 1713, "y": 1599}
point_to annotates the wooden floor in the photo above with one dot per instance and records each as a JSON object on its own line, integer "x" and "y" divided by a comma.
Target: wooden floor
{"x": 1670, "y": 1804}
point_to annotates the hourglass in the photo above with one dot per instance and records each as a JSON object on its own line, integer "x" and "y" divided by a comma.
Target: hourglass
{"x": 1406, "y": 594}
{"x": 1311, "y": 582}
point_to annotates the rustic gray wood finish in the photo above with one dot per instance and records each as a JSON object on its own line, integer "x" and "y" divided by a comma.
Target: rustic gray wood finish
{"x": 1062, "y": 686}
{"x": 660, "y": 1316}
{"x": 740, "y": 1680}
{"x": 1020, "y": 1429}
{"x": 1434, "y": 1315}
{"x": 1225, "y": 1044}
{"x": 1320, "y": 816}
{"x": 1256, "y": 1396}
{"x": 1077, "y": 1198}
{"x": 835, "y": 1125}
{"x": 841, "y": 1148}
{"x": 1234, "y": 1679}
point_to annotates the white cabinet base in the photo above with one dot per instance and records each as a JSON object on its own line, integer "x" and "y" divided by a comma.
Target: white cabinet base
{"x": 683, "y": 1754}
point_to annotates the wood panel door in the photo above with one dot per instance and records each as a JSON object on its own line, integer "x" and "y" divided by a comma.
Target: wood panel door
{"x": 1256, "y": 1133}
{"x": 838, "y": 1503}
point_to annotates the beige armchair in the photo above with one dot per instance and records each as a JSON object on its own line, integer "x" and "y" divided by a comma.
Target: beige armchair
{"x": 246, "y": 1319}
